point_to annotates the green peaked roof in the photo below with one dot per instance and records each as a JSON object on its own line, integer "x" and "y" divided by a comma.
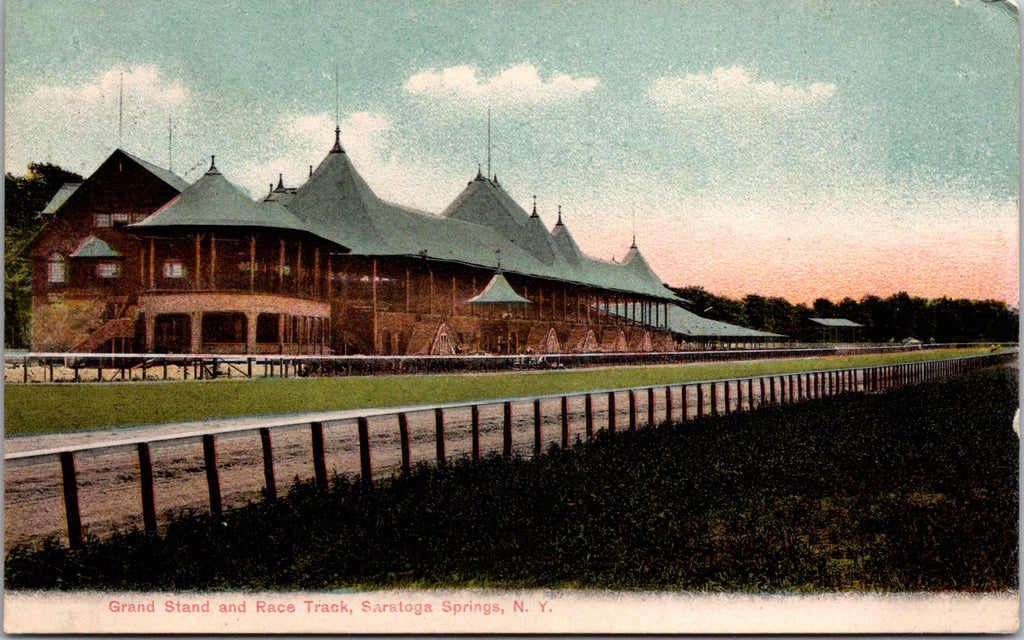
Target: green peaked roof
{"x": 61, "y": 196}
{"x": 166, "y": 175}
{"x": 213, "y": 201}
{"x": 498, "y": 291}
{"x": 564, "y": 241}
{"x": 93, "y": 247}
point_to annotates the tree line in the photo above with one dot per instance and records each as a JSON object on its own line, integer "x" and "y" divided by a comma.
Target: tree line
{"x": 24, "y": 197}
{"x": 892, "y": 319}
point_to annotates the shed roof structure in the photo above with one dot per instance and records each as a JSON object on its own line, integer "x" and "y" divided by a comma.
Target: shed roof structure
{"x": 835, "y": 322}
{"x": 688, "y": 324}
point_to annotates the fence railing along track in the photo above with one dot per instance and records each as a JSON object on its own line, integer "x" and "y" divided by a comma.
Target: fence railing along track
{"x": 388, "y": 441}
{"x": 138, "y": 367}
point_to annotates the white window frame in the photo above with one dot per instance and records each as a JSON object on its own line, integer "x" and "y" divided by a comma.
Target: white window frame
{"x": 57, "y": 269}
{"x": 174, "y": 269}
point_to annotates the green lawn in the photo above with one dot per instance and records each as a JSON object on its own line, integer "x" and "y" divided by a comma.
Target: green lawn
{"x": 68, "y": 407}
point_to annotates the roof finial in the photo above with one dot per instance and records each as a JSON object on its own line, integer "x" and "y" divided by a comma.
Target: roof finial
{"x": 271, "y": 189}
{"x": 479, "y": 173}
{"x": 213, "y": 165}
{"x": 534, "y": 214}
{"x": 310, "y": 171}
{"x": 337, "y": 141}
{"x": 280, "y": 182}
{"x": 559, "y": 215}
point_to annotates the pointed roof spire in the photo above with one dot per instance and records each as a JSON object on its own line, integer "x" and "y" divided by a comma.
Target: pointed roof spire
{"x": 311, "y": 170}
{"x": 495, "y": 179}
{"x": 479, "y": 173}
{"x": 280, "y": 182}
{"x": 633, "y": 246}
{"x": 337, "y": 140}
{"x": 213, "y": 167}
{"x": 534, "y": 214}
{"x": 559, "y": 223}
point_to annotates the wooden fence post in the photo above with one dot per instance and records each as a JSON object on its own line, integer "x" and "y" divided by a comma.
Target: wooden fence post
{"x": 651, "y": 409}
{"x": 403, "y": 436}
{"x": 668, "y": 405}
{"x": 700, "y": 400}
{"x": 474, "y": 427}
{"x": 365, "y": 467}
{"x": 684, "y": 410}
{"x": 69, "y": 480}
{"x": 319, "y": 460}
{"x": 146, "y": 488}
{"x": 565, "y": 422}
{"x": 611, "y": 412}
{"x": 588, "y": 414}
{"x": 632, "y": 410}
{"x": 537, "y": 435}
{"x": 728, "y": 400}
{"x": 714, "y": 398}
{"x": 269, "y": 480}
{"x": 439, "y": 435}
{"x": 771, "y": 381}
{"x": 506, "y": 448}
{"x": 212, "y": 475}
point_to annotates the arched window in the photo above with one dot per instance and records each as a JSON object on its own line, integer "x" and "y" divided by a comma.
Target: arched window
{"x": 57, "y": 269}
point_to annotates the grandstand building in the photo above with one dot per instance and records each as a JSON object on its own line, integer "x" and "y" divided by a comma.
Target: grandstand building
{"x": 134, "y": 259}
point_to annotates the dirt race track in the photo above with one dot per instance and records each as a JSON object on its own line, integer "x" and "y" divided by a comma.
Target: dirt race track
{"x": 109, "y": 487}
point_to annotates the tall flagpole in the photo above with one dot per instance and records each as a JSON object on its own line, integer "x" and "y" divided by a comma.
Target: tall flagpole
{"x": 120, "y": 110}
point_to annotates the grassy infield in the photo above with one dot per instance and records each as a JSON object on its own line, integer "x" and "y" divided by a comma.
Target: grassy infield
{"x": 911, "y": 490}
{"x": 46, "y": 408}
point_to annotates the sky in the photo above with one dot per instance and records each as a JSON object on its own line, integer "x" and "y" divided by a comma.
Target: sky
{"x": 792, "y": 148}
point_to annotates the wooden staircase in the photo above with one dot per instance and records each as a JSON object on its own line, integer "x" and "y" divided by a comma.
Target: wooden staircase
{"x": 121, "y": 325}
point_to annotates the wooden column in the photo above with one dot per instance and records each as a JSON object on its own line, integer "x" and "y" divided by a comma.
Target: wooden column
{"x": 213, "y": 261}
{"x": 152, "y": 266}
{"x": 280, "y": 266}
{"x": 252, "y": 262}
{"x": 376, "y": 320}
{"x": 198, "y": 282}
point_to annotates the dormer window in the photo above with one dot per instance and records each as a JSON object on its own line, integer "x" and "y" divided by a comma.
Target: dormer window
{"x": 101, "y": 220}
{"x": 57, "y": 269}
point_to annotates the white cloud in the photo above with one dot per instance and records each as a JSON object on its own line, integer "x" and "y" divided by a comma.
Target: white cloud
{"x": 733, "y": 88}
{"x": 519, "y": 85}
{"x": 77, "y": 123}
{"x": 367, "y": 138}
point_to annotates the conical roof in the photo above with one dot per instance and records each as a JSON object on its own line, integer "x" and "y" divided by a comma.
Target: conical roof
{"x": 498, "y": 291}
{"x": 567, "y": 247}
{"x": 338, "y": 203}
{"x": 486, "y": 203}
{"x": 213, "y": 201}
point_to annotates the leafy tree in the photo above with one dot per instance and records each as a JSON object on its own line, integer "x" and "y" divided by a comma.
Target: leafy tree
{"x": 24, "y": 198}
